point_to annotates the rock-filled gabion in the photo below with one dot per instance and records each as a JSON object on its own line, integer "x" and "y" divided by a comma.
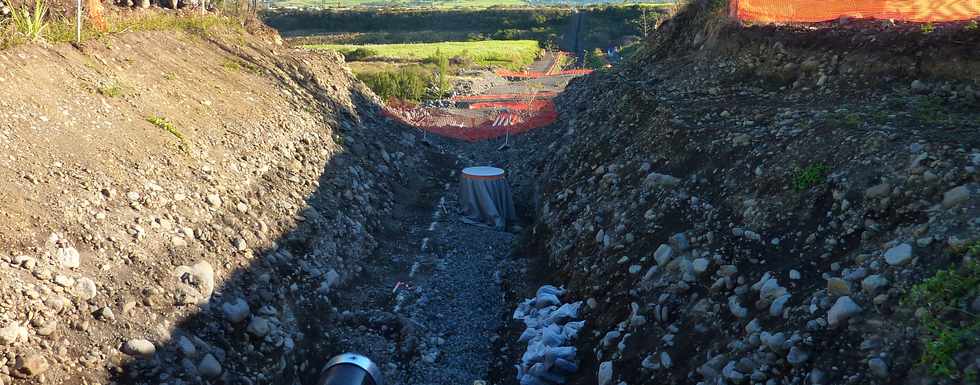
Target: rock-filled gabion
{"x": 551, "y": 328}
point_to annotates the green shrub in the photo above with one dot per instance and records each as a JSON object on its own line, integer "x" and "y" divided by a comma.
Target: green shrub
{"x": 949, "y": 325}
{"x": 809, "y": 176}
{"x": 110, "y": 89}
{"x": 165, "y": 124}
{"x": 406, "y": 83}
{"x": 29, "y": 22}
{"x": 359, "y": 54}
{"x": 442, "y": 84}
{"x": 594, "y": 59}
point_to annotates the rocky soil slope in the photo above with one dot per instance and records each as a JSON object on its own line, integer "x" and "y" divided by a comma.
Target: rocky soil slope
{"x": 180, "y": 212}
{"x": 754, "y": 205}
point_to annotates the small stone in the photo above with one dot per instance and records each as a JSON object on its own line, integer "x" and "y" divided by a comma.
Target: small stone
{"x": 196, "y": 280}
{"x": 794, "y": 275}
{"x": 842, "y": 310}
{"x": 924, "y": 241}
{"x": 214, "y": 200}
{"x": 770, "y": 290}
{"x": 258, "y": 327}
{"x": 878, "y": 191}
{"x": 178, "y": 241}
{"x": 56, "y": 303}
{"x": 732, "y": 374}
{"x": 605, "y": 373}
{"x": 665, "y": 361}
{"x": 919, "y": 87}
{"x": 776, "y": 308}
{"x": 240, "y": 244}
{"x": 13, "y": 334}
{"x": 635, "y": 269}
{"x": 838, "y": 287}
{"x": 235, "y": 311}
{"x": 329, "y": 282}
{"x": 186, "y": 347}
{"x": 899, "y": 255}
{"x": 774, "y": 342}
{"x": 85, "y": 289}
{"x": 69, "y": 258}
{"x": 956, "y": 196}
{"x": 817, "y": 377}
{"x": 797, "y": 356}
{"x": 878, "y": 367}
{"x": 736, "y": 308}
{"x": 872, "y": 283}
{"x": 680, "y": 242}
{"x": 105, "y": 314}
{"x": 660, "y": 180}
{"x": 663, "y": 254}
{"x": 701, "y": 265}
{"x": 133, "y": 196}
{"x": 209, "y": 367}
{"x": 139, "y": 347}
{"x": 31, "y": 366}
{"x": 63, "y": 281}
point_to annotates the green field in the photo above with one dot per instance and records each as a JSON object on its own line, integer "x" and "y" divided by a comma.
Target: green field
{"x": 446, "y": 3}
{"x": 513, "y": 54}
{"x": 396, "y": 3}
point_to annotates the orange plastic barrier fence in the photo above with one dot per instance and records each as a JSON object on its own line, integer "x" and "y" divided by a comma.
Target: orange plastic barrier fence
{"x": 504, "y": 124}
{"x": 824, "y": 10}
{"x": 477, "y": 98}
{"x": 536, "y": 105}
{"x": 539, "y": 74}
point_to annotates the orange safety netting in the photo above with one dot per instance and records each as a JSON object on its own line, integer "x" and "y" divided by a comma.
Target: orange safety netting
{"x": 536, "y": 105}
{"x": 495, "y": 119}
{"x": 515, "y": 96}
{"x": 824, "y": 10}
{"x": 459, "y": 128}
{"x": 539, "y": 74}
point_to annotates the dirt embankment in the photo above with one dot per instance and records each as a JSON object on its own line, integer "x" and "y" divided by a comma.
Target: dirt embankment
{"x": 193, "y": 196}
{"x": 753, "y": 204}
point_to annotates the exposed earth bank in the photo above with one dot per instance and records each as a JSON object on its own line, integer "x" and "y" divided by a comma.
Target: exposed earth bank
{"x": 755, "y": 205}
{"x": 184, "y": 211}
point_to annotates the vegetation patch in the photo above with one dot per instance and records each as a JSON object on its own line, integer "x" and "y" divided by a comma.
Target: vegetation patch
{"x": 603, "y": 25}
{"x": 930, "y": 110}
{"x": 406, "y": 83}
{"x": 943, "y": 304}
{"x": 165, "y": 124}
{"x": 514, "y": 54}
{"x": 110, "y": 89}
{"x": 41, "y": 25}
{"x": 359, "y": 54}
{"x": 846, "y": 120}
{"x": 809, "y": 176}
{"x": 28, "y": 22}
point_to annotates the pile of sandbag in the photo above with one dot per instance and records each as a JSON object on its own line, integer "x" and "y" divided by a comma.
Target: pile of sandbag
{"x": 551, "y": 328}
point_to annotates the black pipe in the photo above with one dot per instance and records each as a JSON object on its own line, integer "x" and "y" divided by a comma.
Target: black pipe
{"x": 350, "y": 369}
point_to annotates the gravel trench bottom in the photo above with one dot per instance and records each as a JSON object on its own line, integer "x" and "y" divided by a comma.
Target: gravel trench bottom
{"x": 429, "y": 304}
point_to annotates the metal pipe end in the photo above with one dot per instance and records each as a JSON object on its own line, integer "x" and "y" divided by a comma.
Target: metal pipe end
{"x": 357, "y": 360}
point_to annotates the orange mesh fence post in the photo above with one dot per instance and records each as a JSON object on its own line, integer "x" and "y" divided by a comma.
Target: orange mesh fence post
{"x": 94, "y": 10}
{"x": 775, "y": 11}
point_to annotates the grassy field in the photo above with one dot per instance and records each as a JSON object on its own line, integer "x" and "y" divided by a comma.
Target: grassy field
{"x": 513, "y": 54}
{"x": 444, "y": 3}
{"x": 396, "y": 3}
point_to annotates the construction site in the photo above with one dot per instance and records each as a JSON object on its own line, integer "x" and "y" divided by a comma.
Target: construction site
{"x": 706, "y": 192}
